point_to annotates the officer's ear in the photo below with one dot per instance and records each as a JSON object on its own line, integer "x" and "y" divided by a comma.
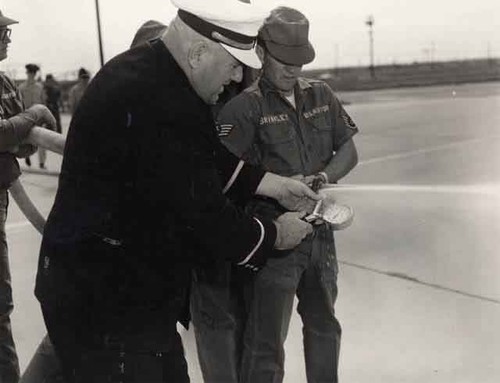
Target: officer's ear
{"x": 261, "y": 52}
{"x": 197, "y": 53}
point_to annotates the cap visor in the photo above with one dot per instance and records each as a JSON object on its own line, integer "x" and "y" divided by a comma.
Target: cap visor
{"x": 247, "y": 57}
{"x": 4, "y": 21}
{"x": 291, "y": 55}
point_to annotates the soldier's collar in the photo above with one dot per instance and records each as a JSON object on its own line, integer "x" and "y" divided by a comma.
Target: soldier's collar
{"x": 266, "y": 86}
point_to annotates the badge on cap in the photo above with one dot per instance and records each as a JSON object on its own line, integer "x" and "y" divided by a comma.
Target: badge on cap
{"x": 234, "y": 24}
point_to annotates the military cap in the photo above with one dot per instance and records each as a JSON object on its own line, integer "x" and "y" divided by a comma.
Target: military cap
{"x": 234, "y": 24}
{"x": 32, "y": 68}
{"x": 285, "y": 35}
{"x": 83, "y": 73}
{"x": 4, "y": 21}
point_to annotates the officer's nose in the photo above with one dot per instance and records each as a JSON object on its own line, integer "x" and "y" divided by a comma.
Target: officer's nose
{"x": 237, "y": 74}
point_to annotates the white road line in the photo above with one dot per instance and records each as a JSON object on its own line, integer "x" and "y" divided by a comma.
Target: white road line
{"x": 417, "y": 152}
{"x": 424, "y": 283}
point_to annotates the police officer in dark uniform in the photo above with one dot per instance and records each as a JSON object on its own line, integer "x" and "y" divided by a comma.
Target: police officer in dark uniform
{"x": 146, "y": 191}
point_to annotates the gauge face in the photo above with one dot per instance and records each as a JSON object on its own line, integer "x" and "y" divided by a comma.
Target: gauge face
{"x": 339, "y": 216}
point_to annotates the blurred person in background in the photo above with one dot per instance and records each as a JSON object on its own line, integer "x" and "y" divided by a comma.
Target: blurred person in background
{"x": 53, "y": 98}
{"x": 149, "y": 30}
{"x": 33, "y": 93}
{"x": 15, "y": 126}
{"x": 76, "y": 92}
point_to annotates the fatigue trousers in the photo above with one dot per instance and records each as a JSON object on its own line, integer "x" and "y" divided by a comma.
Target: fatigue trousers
{"x": 218, "y": 315}
{"x": 9, "y": 365}
{"x": 257, "y": 356}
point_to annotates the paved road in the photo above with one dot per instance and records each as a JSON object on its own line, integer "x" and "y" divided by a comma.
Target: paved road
{"x": 419, "y": 281}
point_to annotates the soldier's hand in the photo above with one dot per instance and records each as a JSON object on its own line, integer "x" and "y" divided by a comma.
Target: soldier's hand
{"x": 298, "y": 177}
{"x": 40, "y": 115}
{"x": 290, "y": 193}
{"x": 25, "y": 150}
{"x": 316, "y": 181}
{"x": 291, "y": 230}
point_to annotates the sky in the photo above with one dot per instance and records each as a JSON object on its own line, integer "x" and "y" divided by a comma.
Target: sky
{"x": 61, "y": 35}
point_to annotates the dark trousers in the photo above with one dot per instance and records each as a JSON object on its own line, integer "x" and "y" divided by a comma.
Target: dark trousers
{"x": 44, "y": 366}
{"x": 54, "y": 109}
{"x": 9, "y": 365}
{"x": 113, "y": 356}
{"x": 99, "y": 333}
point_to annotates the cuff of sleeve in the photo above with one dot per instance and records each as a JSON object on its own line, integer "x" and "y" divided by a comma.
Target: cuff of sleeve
{"x": 325, "y": 176}
{"x": 265, "y": 249}
{"x": 23, "y": 126}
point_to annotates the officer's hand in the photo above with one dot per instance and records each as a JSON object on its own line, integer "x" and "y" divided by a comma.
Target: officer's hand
{"x": 290, "y": 193}
{"x": 291, "y": 230}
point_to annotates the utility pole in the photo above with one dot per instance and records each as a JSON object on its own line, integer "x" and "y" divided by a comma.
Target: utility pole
{"x": 488, "y": 54}
{"x": 370, "y": 22}
{"x": 433, "y": 53}
{"x": 101, "y": 54}
{"x": 426, "y": 55}
{"x": 336, "y": 57}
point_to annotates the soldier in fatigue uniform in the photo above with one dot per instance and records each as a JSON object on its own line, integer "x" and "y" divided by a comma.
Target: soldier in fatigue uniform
{"x": 15, "y": 125}
{"x": 295, "y": 127}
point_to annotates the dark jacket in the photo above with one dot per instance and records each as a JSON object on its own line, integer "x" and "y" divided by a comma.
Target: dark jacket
{"x": 144, "y": 173}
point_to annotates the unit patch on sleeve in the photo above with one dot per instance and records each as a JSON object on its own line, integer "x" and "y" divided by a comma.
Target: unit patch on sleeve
{"x": 347, "y": 120}
{"x": 223, "y": 130}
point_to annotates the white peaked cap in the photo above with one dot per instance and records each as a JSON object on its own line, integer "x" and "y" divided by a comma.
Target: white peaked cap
{"x": 232, "y": 23}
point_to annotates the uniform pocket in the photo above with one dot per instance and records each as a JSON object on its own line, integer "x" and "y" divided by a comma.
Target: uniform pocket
{"x": 322, "y": 136}
{"x": 280, "y": 153}
{"x": 277, "y": 134}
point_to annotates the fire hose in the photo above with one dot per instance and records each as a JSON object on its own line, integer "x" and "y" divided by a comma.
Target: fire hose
{"x": 49, "y": 140}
